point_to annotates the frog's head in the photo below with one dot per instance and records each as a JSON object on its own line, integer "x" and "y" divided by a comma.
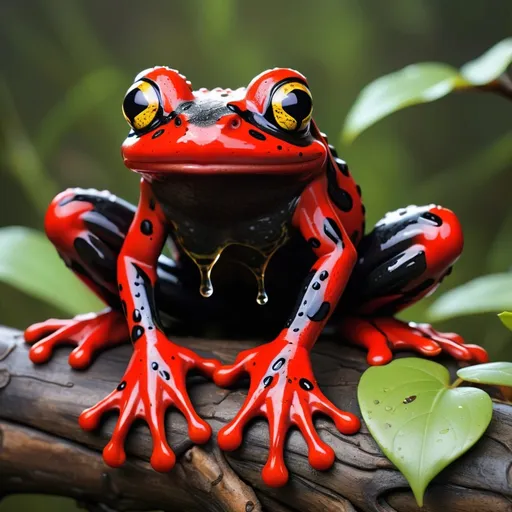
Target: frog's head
{"x": 263, "y": 128}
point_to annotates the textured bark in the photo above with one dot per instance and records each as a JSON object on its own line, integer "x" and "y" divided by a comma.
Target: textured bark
{"x": 43, "y": 450}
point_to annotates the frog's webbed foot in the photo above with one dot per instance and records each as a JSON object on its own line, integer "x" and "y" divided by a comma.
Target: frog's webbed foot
{"x": 284, "y": 390}
{"x": 154, "y": 380}
{"x": 90, "y": 333}
{"x": 383, "y": 335}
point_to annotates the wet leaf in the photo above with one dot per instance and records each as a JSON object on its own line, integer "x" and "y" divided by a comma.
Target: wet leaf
{"x": 29, "y": 262}
{"x": 417, "y": 83}
{"x": 419, "y": 422}
{"x": 494, "y": 374}
{"x": 484, "y": 294}
{"x": 490, "y": 65}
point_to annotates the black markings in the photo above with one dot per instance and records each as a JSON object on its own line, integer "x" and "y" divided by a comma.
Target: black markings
{"x": 137, "y": 317}
{"x": 314, "y": 242}
{"x": 316, "y": 285}
{"x": 278, "y": 364}
{"x": 257, "y": 135}
{"x": 279, "y": 148}
{"x": 146, "y": 227}
{"x": 339, "y": 196}
{"x": 267, "y": 381}
{"x": 409, "y": 399}
{"x": 154, "y": 366}
{"x": 121, "y": 386}
{"x": 321, "y": 313}
{"x": 342, "y": 166}
{"x": 137, "y": 332}
{"x": 296, "y": 329}
{"x": 333, "y": 231}
{"x": 354, "y": 236}
{"x": 120, "y": 287}
{"x": 152, "y": 204}
{"x": 323, "y": 275}
{"x": 137, "y": 295}
{"x": 123, "y": 306}
{"x": 433, "y": 218}
{"x": 358, "y": 188}
{"x": 177, "y": 121}
{"x": 157, "y": 133}
{"x": 305, "y": 286}
{"x": 306, "y": 384}
{"x": 166, "y": 375}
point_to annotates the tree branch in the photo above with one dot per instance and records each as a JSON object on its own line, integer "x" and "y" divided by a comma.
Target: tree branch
{"x": 42, "y": 448}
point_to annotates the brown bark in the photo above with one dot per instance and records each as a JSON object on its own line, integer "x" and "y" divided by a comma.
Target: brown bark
{"x": 43, "y": 450}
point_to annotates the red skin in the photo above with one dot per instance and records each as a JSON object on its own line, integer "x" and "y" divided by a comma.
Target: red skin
{"x": 283, "y": 387}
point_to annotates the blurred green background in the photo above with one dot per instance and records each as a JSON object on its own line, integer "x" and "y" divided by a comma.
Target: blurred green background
{"x": 66, "y": 65}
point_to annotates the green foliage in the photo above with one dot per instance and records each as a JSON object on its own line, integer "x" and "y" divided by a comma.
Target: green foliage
{"x": 506, "y": 318}
{"x": 486, "y": 294}
{"x": 419, "y": 421}
{"x": 494, "y": 374}
{"x": 28, "y": 261}
{"x": 422, "y": 83}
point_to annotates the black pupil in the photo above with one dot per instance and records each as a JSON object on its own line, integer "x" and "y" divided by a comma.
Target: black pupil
{"x": 134, "y": 103}
{"x": 297, "y": 104}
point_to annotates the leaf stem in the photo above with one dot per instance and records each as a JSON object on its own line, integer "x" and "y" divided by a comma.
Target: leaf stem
{"x": 456, "y": 383}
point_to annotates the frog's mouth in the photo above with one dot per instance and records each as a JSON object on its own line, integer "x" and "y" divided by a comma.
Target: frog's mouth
{"x": 308, "y": 167}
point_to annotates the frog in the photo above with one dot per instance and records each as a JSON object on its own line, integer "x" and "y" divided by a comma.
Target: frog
{"x": 241, "y": 193}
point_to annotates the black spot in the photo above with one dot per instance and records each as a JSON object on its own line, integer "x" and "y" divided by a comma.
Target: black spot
{"x": 289, "y": 381}
{"x": 137, "y": 295}
{"x": 121, "y": 386}
{"x": 279, "y": 148}
{"x": 123, "y": 306}
{"x": 433, "y": 218}
{"x": 316, "y": 285}
{"x": 137, "y": 332}
{"x": 154, "y": 366}
{"x": 152, "y": 204}
{"x": 409, "y": 399}
{"x": 120, "y": 286}
{"x": 136, "y": 315}
{"x": 333, "y": 231}
{"x": 340, "y": 197}
{"x": 177, "y": 121}
{"x": 296, "y": 329}
{"x": 300, "y": 314}
{"x": 342, "y": 166}
{"x": 167, "y": 376}
{"x": 146, "y": 227}
{"x": 314, "y": 242}
{"x": 321, "y": 313}
{"x": 363, "y": 209}
{"x": 306, "y": 384}
{"x": 267, "y": 381}
{"x": 278, "y": 364}
{"x": 358, "y": 188}
{"x": 301, "y": 154}
{"x": 323, "y": 275}
{"x": 157, "y": 133}
{"x": 257, "y": 135}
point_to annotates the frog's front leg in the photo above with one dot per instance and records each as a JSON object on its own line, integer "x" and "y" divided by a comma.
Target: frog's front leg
{"x": 155, "y": 378}
{"x": 283, "y": 387}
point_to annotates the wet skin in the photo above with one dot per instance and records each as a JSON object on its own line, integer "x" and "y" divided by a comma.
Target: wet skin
{"x": 229, "y": 178}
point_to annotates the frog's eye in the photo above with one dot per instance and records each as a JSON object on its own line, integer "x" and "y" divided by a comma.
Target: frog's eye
{"x": 291, "y": 106}
{"x": 142, "y": 106}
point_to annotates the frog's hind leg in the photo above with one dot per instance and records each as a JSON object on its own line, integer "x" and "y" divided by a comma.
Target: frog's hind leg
{"x": 88, "y": 228}
{"x": 403, "y": 259}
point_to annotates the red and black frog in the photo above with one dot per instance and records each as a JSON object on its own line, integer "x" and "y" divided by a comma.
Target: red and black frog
{"x": 249, "y": 197}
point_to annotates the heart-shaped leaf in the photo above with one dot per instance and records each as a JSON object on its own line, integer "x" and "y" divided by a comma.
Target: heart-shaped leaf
{"x": 29, "y": 262}
{"x": 417, "y": 83}
{"x": 490, "y": 65}
{"x": 486, "y": 294}
{"x": 419, "y": 422}
{"x": 495, "y": 374}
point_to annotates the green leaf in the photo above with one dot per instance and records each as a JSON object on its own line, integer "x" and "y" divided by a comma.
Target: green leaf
{"x": 418, "y": 83}
{"x": 494, "y": 374}
{"x": 419, "y": 422}
{"x": 486, "y": 294}
{"x": 490, "y": 65}
{"x": 506, "y": 318}
{"x": 29, "y": 262}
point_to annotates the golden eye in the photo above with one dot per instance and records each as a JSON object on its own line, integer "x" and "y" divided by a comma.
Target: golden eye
{"x": 292, "y": 106}
{"x": 141, "y": 105}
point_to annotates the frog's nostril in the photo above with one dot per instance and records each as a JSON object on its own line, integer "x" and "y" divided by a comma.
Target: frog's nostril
{"x": 235, "y": 123}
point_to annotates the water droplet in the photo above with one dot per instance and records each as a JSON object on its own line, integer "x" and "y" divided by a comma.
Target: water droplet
{"x": 376, "y": 402}
{"x": 460, "y": 407}
{"x": 444, "y": 431}
{"x": 387, "y": 425}
{"x": 388, "y": 408}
